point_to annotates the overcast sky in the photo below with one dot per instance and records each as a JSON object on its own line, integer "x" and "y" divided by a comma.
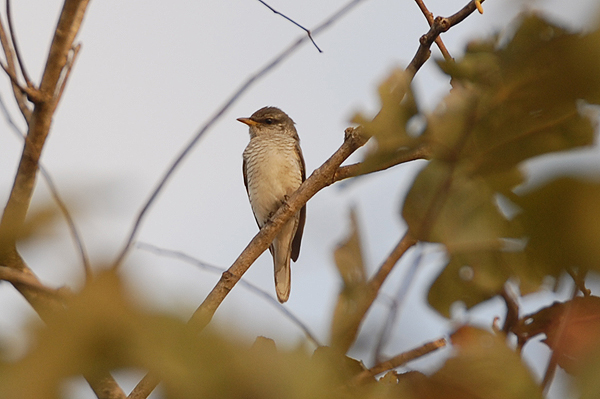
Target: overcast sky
{"x": 150, "y": 73}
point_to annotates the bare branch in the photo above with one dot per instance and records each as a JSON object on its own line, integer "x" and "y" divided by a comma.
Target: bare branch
{"x": 10, "y": 69}
{"x": 353, "y": 323}
{"x": 57, "y": 198}
{"x": 67, "y": 72}
{"x": 440, "y": 25}
{"x": 17, "y": 277}
{"x": 292, "y": 21}
{"x": 396, "y": 304}
{"x": 215, "y": 269}
{"x": 20, "y": 196}
{"x": 398, "y": 361}
{"x": 421, "y": 152}
{"x": 438, "y": 40}
{"x": 234, "y": 97}
{"x": 16, "y": 47}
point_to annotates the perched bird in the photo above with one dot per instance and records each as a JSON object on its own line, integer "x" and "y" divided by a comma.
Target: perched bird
{"x": 273, "y": 169}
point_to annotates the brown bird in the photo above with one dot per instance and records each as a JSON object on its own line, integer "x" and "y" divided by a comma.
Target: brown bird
{"x": 273, "y": 169}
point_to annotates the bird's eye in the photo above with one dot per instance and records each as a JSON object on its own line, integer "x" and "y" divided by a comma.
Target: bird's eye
{"x": 269, "y": 121}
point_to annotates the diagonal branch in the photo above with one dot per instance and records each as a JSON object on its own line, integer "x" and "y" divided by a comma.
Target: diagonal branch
{"x": 398, "y": 361}
{"x": 439, "y": 26}
{"x": 292, "y": 21}
{"x": 13, "y": 38}
{"x": 438, "y": 40}
{"x": 41, "y": 118}
{"x": 10, "y": 69}
{"x": 57, "y": 198}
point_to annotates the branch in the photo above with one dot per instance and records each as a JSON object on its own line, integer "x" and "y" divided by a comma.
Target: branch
{"x": 398, "y": 361}
{"x": 438, "y": 40}
{"x": 423, "y": 151}
{"x": 353, "y": 322}
{"x": 439, "y": 26}
{"x": 234, "y": 97}
{"x": 292, "y": 21}
{"x": 57, "y": 198}
{"x": 214, "y": 269}
{"x": 41, "y": 118}
{"x": 16, "y": 47}
{"x": 10, "y": 69}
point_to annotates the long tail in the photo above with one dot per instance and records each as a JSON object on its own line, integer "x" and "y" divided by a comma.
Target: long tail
{"x": 282, "y": 251}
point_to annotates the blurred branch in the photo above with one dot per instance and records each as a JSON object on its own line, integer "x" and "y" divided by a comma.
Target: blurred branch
{"x": 40, "y": 122}
{"x": 292, "y": 21}
{"x": 512, "y": 310}
{"x": 56, "y": 197}
{"x": 353, "y": 323}
{"x": 438, "y": 40}
{"x": 395, "y": 305}
{"x": 20, "y": 278}
{"x": 10, "y": 69}
{"x": 214, "y": 269}
{"x": 67, "y": 71}
{"x": 439, "y": 26}
{"x": 219, "y": 113}
{"x": 398, "y": 361}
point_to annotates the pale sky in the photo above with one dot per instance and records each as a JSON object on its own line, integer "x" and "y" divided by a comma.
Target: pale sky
{"x": 150, "y": 73}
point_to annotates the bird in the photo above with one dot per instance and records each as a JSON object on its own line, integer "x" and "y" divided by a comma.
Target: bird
{"x": 273, "y": 168}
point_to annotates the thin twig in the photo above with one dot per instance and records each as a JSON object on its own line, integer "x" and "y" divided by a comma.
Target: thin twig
{"x": 353, "y": 322}
{"x": 398, "y": 361}
{"x": 440, "y": 25}
{"x": 396, "y": 305}
{"x": 16, "y": 47}
{"x": 357, "y": 169}
{"x": 10, "y": 69}
{"x": 438, "y": 40}
{"x": 67, "y": 72}
{"x": 232, "y": 99}
{"x": 292, "y": 21}
{"x": 57, "y": 198}
{"x": 219, "y": 270}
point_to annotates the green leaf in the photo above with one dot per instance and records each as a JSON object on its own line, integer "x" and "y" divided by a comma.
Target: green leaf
{"x": 561, "y": 221}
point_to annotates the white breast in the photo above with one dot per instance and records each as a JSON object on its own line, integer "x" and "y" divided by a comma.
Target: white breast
{"x": 273, "y": 171}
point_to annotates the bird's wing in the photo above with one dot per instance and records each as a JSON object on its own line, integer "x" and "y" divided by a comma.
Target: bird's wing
{"x": 298, "y": 236}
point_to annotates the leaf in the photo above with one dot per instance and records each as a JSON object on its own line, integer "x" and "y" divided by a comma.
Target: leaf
{"x": 389, "y": 126}
{"x": 349, "y": 261}
{"x": 511, "y": 102}
{"x": 572, "y": 330}
{"x": 444, "y": 205}
{"x": 483, "y": 367}
{"x": 101, "y": 330}
{"x": 561, "y": 221}
{"x": 476, "y": 276}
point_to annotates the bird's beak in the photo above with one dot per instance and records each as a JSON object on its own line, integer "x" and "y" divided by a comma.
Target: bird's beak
{"x": 248, "y": 121}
